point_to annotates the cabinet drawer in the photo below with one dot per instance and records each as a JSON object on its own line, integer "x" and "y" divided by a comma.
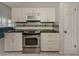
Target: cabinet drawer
{"x": 13, "y": 35}
{"x": 50, "y": 38}
{"x": 50, "y": 43}
{"x": 18, "y": 36}
{"x": 8, "y": 34}
{"x": 50, "y": 48}
{"x": 47, "y": 35}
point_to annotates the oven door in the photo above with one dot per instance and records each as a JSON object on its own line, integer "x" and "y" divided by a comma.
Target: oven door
{"x": 31, "y": 41}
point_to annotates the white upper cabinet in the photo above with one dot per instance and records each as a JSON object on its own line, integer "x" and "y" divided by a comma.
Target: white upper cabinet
{"x": 46, "y": 14}
{"x": 51, "y": 14}
{"x": 43, "y": 14}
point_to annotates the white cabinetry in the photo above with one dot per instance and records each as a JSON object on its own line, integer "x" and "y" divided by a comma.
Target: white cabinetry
{"x": 51, "y": 15}
{"x": 43, "y": 14}
{"x": 46, "y": 14}
{"x": 17, "y": 15}
{"x": 49, "y": 41}
{"x": 13, "y": 42}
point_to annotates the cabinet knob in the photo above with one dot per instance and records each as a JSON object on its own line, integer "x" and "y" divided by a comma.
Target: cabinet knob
{"x": 65, "y": 31}
{"x": 75, "y": 46}
{"x": 49, "y": 41}
{"x": 49, "y": 47}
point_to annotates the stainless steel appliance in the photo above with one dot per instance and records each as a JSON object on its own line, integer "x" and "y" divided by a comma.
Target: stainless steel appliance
{"x": 31, "y": 42}
{"x": 32, "y": 17}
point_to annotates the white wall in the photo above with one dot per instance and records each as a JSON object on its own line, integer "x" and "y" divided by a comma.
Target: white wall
{"x": 5, "y": 13}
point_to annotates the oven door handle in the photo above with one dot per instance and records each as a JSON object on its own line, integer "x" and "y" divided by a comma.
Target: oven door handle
{"x": 31, "y": 36}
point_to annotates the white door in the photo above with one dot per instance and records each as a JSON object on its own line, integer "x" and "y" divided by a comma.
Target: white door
{"x": 70, "y": 41}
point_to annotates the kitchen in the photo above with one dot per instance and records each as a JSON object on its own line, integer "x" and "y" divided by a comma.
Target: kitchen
{"x": 38, "y": 28}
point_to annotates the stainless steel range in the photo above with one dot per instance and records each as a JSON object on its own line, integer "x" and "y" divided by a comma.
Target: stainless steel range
{"x": 31, "y": 41}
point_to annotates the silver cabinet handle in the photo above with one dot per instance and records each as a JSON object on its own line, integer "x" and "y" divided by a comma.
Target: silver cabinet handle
{"x": 75, "y": 46}
{"x": 65, "y": 31}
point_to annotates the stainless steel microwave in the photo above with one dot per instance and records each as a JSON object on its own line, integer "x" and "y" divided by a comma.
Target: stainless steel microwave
{"x": 32, "y": 18}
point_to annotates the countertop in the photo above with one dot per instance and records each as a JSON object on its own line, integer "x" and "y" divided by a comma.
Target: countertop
{"x": 46, "y": 31}
{"x": 4, "y": 29}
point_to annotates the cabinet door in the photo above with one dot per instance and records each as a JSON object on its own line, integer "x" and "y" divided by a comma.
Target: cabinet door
{"x": 69, "y": 29}
{"x": 17, "y": 42}
{"x": 43, "y": 14}
{"x": 51, "y": 15}
{"x": 17, "y": 15}
{"x": 49, "y": 42}
{"x": 8, "y": 42}
{"x": 13, "y": 42}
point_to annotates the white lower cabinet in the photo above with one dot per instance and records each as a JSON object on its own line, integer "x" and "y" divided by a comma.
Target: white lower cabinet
{"x": 49, "y": 41}
{"x": 13, "y": 42}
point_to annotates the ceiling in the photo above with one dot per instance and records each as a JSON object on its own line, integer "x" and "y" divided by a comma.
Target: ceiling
{"x": 31, "y": 4}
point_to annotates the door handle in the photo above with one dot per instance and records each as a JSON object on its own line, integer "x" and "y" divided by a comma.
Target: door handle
{"x": 65, "y": 31}
{"x": 75, "y": 46}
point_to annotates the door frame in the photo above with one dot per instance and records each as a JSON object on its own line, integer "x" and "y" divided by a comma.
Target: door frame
{"x": 61, "y": 28}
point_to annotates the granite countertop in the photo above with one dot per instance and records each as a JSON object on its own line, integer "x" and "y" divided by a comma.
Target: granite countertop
{"x": 4, "y": 29}
{"x": 13, "y": 31}
{"x": 48, "y": 31}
